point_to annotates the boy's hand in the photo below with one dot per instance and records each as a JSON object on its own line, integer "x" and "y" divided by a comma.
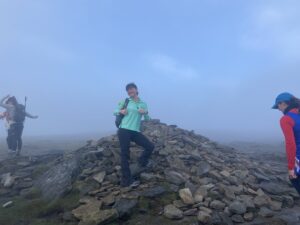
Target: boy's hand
{"x": 292, "y": 174}
{"x": 142, "y": 111}
{"x": 123, "y": 112}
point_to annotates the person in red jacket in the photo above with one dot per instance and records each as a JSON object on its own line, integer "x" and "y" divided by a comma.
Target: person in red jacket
{"x": 289, "y": 105}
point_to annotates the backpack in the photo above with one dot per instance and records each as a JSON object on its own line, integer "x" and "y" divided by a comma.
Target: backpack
{"x": 120, "y": 117}
{"x": 19, "y": 114}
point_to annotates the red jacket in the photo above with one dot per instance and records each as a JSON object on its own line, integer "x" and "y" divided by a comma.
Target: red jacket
{"x": 287, "y": 125}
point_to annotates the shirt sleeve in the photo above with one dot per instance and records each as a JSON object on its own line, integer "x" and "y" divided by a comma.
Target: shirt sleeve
{"x": 146, "y": 115}
{"x": 120, "y": 106}
{"x": 287, "y": 125}
{"x": 2, "y": 104}
{"x": 30, "y": 116}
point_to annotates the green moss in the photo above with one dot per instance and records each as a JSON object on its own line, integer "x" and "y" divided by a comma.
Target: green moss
{"x": 33, "y": 211}
{"x": 33, "y": 193}
{"x": 168, "y": 198}
{"x": 144, "y": 203}
{"x": 39, "y": 170}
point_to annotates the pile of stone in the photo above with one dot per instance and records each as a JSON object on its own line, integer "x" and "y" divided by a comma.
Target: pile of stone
{"x": 193, "y": 181}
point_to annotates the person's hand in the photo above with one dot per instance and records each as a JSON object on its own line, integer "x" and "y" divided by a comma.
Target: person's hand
{"x": 7, "y": 96}
{"x": 142, "y": 111}
{"x": 35, "y": 117}
{"x": 292, "y": 174}
{"x": 123, "y": 112}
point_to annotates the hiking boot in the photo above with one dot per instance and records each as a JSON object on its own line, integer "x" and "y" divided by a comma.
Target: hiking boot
{"x": 133, "y": 184}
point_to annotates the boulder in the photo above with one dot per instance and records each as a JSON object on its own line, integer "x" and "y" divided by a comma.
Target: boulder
{"x": 58, "y": 180}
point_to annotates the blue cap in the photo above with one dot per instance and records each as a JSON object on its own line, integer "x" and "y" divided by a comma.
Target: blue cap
{"x": 283, "y": 97}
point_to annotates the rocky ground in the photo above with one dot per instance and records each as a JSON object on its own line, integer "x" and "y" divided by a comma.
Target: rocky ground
{"x": 192, "y": 181}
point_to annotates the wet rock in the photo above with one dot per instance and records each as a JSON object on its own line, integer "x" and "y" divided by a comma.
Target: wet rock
{"x": 171, "y": 212}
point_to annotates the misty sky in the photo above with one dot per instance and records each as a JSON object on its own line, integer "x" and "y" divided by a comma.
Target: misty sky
{"x": 213, "y": 66}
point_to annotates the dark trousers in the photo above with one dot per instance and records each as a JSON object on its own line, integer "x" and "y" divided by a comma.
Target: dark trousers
{"x": 125, "y": 137}
{"x": 296, "y": 184}
{"x": 14, "y": 137}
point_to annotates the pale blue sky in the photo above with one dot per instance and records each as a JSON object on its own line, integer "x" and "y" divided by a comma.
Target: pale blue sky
{"x": 207, "y": 65}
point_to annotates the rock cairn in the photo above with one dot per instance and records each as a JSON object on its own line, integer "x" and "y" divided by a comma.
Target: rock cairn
{"x": 192, "y": 179}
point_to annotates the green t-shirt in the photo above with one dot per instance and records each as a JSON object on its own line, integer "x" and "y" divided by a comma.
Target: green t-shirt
{"x": 132, "y": 121}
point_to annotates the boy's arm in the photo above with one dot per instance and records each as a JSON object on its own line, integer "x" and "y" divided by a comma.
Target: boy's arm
{"x": 120, "y": 106}
{"x": 31, "y": 116}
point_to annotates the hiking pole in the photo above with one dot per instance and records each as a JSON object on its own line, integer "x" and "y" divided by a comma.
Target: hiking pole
{"x": 25, "y": 101}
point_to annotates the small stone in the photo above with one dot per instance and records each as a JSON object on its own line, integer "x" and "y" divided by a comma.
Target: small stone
{"x": 203, "y": 217}
{"x": 201, "y": 191}
{"x": 237, "y": 219}
{"x": 190, "y": 212}
{"x": 108, "y": 200}
{"x": 7, "y": 180}
{"x": 153, "y": 192}
{"x": 237, "y": 208}
{"x": 125, "y": 206}
{"x": 199, "y": 198}
{"x": 262, "y": 200}
{"x": 100, "y": 177}
{"x": 186, "y": 196}
{"x": 249, "y": 216}
{"x": 171, "y": 212}
{"x": 207, "y": 210}
{"x": 265, "y": 212}
{"x": 276, "y": 206}
{"x": 218, "y": 205}
{"x": 225, "y": 173}
{"x": 7, "y": 204}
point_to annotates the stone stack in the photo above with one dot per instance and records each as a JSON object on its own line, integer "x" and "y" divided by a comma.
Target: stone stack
{"x": 193, "y": 180}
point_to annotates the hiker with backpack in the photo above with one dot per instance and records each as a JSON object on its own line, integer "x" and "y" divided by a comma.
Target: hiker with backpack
{"x": 290, "y": 124}
{"x": 15, "y": 115}
{"x": 128, "y": 121}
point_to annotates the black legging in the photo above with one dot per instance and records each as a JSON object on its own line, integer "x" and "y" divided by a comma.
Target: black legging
{"x": 296, "y": 184}
{"x": 125, "y": 136}
{"x": 14, "y": 137}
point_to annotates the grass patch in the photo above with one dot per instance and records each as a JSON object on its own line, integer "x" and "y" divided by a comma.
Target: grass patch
{"x": 39, "y": 170}
{"x": 34, "y": 211}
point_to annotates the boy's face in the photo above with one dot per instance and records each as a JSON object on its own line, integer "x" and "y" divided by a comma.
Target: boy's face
{"x": 132, "y": 92}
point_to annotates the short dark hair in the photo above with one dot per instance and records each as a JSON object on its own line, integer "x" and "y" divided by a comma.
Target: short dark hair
{"x": 131, "y": 85}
